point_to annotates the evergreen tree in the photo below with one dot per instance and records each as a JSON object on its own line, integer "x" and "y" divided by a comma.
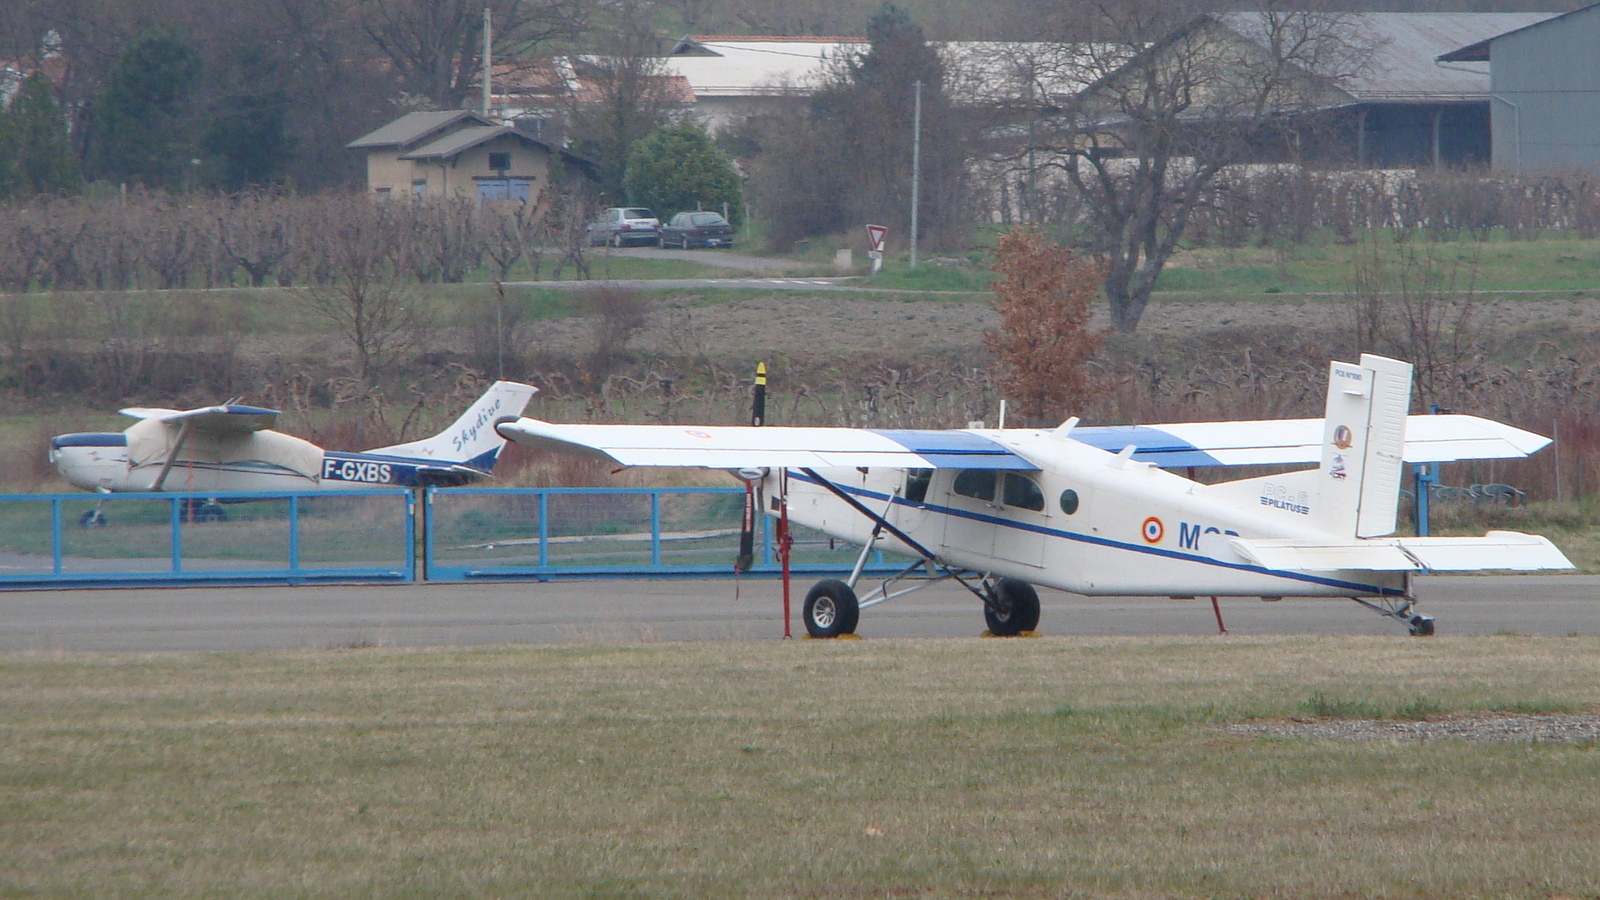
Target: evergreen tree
{"x": 44, "y": 162}
{"x": 143, "y": 128}
{"x": 676, "y": 167}
{"x": 246, "y": 139}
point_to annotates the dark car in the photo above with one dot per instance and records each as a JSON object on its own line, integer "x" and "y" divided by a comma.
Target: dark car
{"x": 622, "y": 225}
{"x": 697, "y": 229}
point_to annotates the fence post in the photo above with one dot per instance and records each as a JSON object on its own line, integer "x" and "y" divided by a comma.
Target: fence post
{"x": 294, "y": 534}
{"x": 544, "y": 529}
{"x": 55, "y": 535}
{"x": 176, "y": 518}
{"x": 655, "y": 528}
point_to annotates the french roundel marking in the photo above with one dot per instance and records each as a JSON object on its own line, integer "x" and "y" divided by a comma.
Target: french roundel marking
{"x": 1153, "y": 530}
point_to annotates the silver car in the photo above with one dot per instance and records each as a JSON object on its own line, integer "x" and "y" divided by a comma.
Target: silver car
{"x": 620, "y": 226}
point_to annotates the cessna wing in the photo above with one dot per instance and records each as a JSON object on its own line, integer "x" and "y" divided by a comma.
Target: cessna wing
{"x": 227, "y": 419}
{"x": 1429, "y": 439}
{"x": 741, "y": 447}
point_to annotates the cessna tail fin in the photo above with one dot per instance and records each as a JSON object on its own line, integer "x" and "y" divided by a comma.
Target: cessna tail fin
{"x": 472, "y": 439}
{"x": 1363, "y": 442}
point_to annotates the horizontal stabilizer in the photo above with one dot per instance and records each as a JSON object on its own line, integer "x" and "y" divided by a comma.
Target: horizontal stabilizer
{"x": 741, "y": 447}
{"x": 228, "y": 419}
{"x": 1295, "y": 441}
{"x": 1497, "y": 550}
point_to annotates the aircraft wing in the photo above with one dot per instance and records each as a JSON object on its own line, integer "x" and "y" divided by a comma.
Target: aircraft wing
{"x": 1294, "y": 441}
{"x": 1507, "y": 550}
{"x": 228, "y": 419}
{"x": 771, "y": 446}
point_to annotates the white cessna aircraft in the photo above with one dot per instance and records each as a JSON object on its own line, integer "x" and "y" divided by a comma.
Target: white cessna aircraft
{"x": 232, "y": 448}
{"x": 1093, "y": 510}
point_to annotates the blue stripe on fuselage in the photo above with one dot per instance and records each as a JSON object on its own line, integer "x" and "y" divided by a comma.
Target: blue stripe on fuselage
{"x": 377, "y": 468}
{"x": 1105, "y": 542}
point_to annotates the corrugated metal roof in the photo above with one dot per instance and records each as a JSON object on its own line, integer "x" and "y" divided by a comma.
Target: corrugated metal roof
{"x": 1479, "y": 52}
{"x": 412, "y": 127}
{"x": 1407, "y": 46}
{"x": 747, "y": 67}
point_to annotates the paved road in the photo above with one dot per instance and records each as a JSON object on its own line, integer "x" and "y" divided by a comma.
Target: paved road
{"x": 315, "y": 617}
{"x": 725, "y": 259}
{"x": 848, "y": 284}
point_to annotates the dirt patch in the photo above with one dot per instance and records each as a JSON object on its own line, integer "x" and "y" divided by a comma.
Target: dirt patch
{"x": 800, "y": 325}
{"x": 1465, "y": 726}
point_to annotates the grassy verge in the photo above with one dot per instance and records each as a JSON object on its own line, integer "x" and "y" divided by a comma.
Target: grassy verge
{"x": 1327, "y": 267}
{"x": 1082, "y": 767}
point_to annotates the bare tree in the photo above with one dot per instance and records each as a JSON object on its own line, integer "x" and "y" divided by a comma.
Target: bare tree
{"x": 369, "y": 301}
{"x": 255, "y": 232}
{"x": 436, "y": 46}
{"x": 623, "y": 95}
{"x": 1408, "y": 301}
{"x": 1164, "y": 97}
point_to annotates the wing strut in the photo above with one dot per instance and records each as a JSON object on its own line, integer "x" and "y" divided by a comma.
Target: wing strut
{"x": 880, "y": 521}
{"x": 183, "y": 435}
{"x": 886, "y": 525}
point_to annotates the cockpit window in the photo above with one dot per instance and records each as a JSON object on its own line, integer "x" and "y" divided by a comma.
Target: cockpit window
{"x": 975, "y": 483}
{"x": 1022, "y": 493}
{"x": 917, "y": 484}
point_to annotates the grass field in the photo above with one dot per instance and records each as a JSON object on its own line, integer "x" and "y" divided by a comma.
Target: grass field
{"x": 928, "y": 769}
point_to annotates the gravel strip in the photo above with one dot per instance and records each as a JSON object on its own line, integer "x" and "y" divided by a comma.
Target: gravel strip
{"x": 1467, "y": 726}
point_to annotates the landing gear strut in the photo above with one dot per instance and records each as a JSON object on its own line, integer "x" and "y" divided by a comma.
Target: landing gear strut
{"x": 1403, "y": 609}
{"x": 1010, "y": 605}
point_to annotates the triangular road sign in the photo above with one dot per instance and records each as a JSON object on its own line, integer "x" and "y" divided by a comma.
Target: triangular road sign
{"x": 876, "y": 234}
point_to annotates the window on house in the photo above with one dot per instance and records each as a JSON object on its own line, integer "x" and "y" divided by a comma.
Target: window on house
{"x": 500, "y": 161}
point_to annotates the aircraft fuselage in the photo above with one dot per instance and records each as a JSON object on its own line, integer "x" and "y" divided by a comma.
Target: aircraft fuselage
{"x": 100, "y": 461}
{"x": 1084, "y": 522}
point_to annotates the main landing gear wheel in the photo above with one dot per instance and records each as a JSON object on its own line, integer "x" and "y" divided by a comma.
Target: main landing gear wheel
{"x": 1013, "y": 607}
{"x": 831, "y": 610}
{"x": 94, "y": 518}
{"x": 1421, "y": 626}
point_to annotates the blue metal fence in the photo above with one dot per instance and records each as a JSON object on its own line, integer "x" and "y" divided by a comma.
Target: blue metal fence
{"x": 125, "y": 540}
{"x": 544, "y": 534}
{"x": 560, "y": 533}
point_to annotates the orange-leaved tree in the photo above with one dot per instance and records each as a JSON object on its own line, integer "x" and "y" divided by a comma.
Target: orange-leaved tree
{"x": 1044, "y": 343}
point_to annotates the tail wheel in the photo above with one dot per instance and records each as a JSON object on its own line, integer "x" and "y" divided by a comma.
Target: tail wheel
{"x": 1013, "y": 607}
{"x": 831, "y": 610}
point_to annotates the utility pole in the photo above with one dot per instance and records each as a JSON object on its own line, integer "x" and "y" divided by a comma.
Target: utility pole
{"x": 916, "y": 167}
{"x": 488, "y": 60}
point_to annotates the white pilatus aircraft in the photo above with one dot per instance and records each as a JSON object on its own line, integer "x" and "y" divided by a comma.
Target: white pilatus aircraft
{"x": 232, "y": 448}
{"x": 1094, "y": 511}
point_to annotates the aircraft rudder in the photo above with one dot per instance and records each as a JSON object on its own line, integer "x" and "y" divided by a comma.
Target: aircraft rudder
{"x": 472, "y": 438}
{"x": 1363, "y": 445}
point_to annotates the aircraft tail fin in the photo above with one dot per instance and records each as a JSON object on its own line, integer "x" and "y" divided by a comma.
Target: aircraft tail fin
{"x": 472, "y": 439}
{"x": 1363, "y": 444}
